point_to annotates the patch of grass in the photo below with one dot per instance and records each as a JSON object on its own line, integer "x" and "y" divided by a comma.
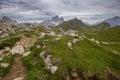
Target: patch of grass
{"x": 10, "y": 59}
{"x": 9, "y": 42}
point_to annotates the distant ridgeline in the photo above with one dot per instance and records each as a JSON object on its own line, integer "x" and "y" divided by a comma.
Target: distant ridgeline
{"x": 73, "y": 24}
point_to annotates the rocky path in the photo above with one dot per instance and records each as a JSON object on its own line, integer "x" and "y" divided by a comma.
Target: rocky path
{"x": 17, "y": 70}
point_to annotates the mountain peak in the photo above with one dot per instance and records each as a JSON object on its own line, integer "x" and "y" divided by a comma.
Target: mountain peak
{"x": 113, "y": 21}
{"x": 5, "y": 18}
{"x": 54, "y": 21}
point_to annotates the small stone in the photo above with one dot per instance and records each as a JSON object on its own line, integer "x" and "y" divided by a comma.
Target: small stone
{"x": 69, "y": 44}
{"x": 47, "y": 61}
{"x": 4, "y": 65}
{"x": 52, "y": 33}
{"x": 19, "y": 78}
{"x": 18, "y": 49}
{"x": 97, "y": 42}
{"x": 26, "y": 54}
{"x": 42, "y": 34}
{"x": 1, "y": 59}
{"x": 75, "y": 40}
{"x": 53, "y": 69}
{"x": 74, "y": 74}
{"x": 38, "y": 46}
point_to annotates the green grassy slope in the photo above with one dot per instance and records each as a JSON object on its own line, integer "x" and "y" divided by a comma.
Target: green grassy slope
{"x": 88, "y": 56}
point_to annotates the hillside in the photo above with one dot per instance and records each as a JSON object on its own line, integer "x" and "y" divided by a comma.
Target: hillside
{"x": 53, "y": 56}
{"x": 73, "y": 24}
{"x": 114, "y": 21}
{"x": 100, "y": 26}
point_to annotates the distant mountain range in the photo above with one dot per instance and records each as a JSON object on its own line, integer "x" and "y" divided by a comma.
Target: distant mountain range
{"x": 54, "y": 21}
{"x": 73, "y": 24}
{"x": 115, "y": 21}
{"x": 100, "y": 26}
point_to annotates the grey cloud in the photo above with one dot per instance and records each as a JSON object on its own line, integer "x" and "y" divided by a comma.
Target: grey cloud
{"x": 41, "y": 9}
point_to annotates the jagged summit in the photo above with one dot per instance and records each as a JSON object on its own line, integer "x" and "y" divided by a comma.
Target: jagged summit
{"x": 54, "y": 21}
{"x": 113, "y": 21}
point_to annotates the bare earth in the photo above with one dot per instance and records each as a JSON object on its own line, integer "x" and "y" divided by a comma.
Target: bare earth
{"x": 17, "y": 69}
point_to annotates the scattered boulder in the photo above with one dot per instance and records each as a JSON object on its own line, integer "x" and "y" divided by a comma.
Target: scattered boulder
{"x": 38, "y": 46}
{"x": 56, "y": 61}
{"x": 56, "y": 40}
{"x": 26, "y": 54}
{"x": 44, "y": 54}
{"x": 4, "y": 65}
{"x": 59, "y": 35}
{"x": 97, "y": 42}
{"x": 48, "y": 61}
{"x": 42, "y": 34}
{"x": 1, "y": 58}
{"x": 115, "y": 52}
{"x": 53, "y": 69}
{"x": 5, "y": 35}
{"x": 69, "y": 44}
{"x": 105, "y": 43}
{"x": 19, "y": 78}
{"x": 75, "y": 40}
{"x": 52, "y": 33}
{"x": 61, "y": 31}
{"x": 18, "y": 49}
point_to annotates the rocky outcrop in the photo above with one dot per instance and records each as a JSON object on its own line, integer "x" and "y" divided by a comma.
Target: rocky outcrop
{"x": 115, "y": 21}
{"x": 54, "y": 21}
{"x": 73, "y": 24}
{"x": 18, "y": 49}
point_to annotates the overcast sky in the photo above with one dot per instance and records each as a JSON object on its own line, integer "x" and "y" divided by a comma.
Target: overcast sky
{"x": 90, "y": 11}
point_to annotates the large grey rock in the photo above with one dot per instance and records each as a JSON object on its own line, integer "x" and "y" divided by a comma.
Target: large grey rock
{"x": 18, "y": 49}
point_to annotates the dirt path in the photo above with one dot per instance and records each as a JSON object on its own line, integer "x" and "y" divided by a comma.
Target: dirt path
{"x": 17, "y": 69}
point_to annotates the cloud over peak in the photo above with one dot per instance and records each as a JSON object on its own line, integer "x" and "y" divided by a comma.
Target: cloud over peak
{"x": 36, "y": 10}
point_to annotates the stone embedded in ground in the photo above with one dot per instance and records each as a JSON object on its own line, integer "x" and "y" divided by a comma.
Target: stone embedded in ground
{"x": 59, "y": 35}
{"x": 1, "y": 58}
{"x": 75, "y": 40}
{"x": 74, "y": 74}
{"x": 47, "y": 61}
{"x": 19, "y": 78}
{"x": 56, "y": 61}
{"x": 115, "y": 52}
{"x": 56, "y": 40}
{"x": 97, "y": 42}
{"x": 42, "y": 34}
{"x": 52, "y": 33}
{"x": 69, "y": 44}
{"x": 44, "y": 54}
{"x": 18, "y": 49}
{"x": 105, "y": 43}
{"x": 4, "y": 65}
{"x": 53, "y": 69}
{"x": 4, "y": 35}
{"x": 38, "y": 46}
{"x": 61, "y": 31}
{"x": 26, "y": 54}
